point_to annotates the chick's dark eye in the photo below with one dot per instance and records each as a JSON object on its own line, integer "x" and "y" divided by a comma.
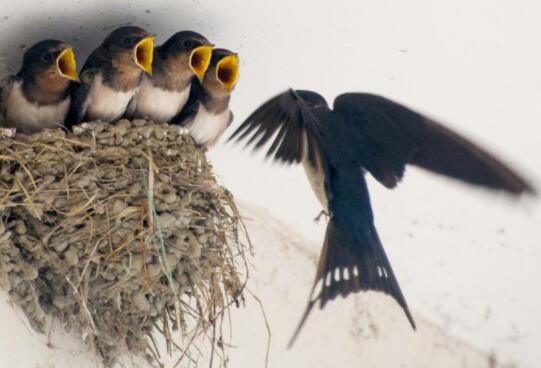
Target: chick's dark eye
{"x": 47, "y": 57}
{"x": 187, "y": 43}
{"x": 126, "y": 41}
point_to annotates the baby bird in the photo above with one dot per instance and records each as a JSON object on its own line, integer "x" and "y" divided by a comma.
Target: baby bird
{"x": 111, "y": 76}
{"x": 207, "y": 114}
{"x": 37, "y": 97}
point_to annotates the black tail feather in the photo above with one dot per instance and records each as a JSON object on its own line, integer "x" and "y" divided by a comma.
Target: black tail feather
{"x": 346, "y": 267}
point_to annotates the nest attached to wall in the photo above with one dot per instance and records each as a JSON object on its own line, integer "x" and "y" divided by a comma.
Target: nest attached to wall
{"x": 120, "y": 232}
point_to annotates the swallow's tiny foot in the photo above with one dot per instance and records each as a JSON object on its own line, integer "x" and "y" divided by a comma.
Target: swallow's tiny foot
{"x": 322, "y": 213}
{"x": 7, "y": 132}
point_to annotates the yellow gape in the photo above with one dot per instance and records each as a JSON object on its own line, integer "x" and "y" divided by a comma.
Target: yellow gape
{"x": 66, "y": 65}
{"x": 200, "y": 60}
{"x": 227, "y": 71}
{"x": 143, "y": 54}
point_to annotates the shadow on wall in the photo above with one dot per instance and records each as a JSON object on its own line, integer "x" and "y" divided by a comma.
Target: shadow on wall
{"x": 85, "y": 29}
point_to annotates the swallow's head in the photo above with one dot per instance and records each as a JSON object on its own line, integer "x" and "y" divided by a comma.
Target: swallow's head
{"x": 51, "y": 60}
{"x": 187, "y": 51}
{"x": 223, "y": 72}
{"x": 134, "y": 42}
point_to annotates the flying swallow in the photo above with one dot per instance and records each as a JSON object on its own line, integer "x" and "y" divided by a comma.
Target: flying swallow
{"x": 37, "y": 97}
{"x": 111, "y": 76}
{"x": 177, "y": 62}
{"x": 206, "y": 115}
{"x": 363, "y": 133}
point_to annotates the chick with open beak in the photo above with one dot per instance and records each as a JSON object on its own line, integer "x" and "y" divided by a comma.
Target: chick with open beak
{"x": 207, "y": 114}
{"x": 111, "y": 76}
{"x": 37, "y": 97}
{"x": 181, "y": 59}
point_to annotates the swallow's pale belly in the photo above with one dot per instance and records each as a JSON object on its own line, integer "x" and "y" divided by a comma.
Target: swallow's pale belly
{"x": 158, "y": 104}
{"x": 106, "y": 104}
{"x": 29, "y": 117}
{"x": 316, "y": 177}
{"x": 207, "y": 127}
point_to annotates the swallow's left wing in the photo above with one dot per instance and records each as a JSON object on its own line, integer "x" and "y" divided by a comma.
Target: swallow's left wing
{"x": 396, "y": 135}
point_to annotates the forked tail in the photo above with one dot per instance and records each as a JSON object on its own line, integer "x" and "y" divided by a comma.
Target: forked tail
{"x": 352, "y": 260}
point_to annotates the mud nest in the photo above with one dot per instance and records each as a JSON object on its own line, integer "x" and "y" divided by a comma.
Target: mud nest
{"x": 118, "y": 231}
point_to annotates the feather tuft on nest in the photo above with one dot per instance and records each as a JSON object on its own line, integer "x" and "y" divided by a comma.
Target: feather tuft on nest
{"x": 120, "y": 232}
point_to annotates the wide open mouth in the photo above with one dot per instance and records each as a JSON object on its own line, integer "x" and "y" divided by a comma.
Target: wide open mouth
{"x": 67, "y": 67}
{"x": 144, "y": 53}
{"x": 200, "y": 60}
{"x": 227, "y": 71}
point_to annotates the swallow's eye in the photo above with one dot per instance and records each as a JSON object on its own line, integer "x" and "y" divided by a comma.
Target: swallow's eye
{"x": 47, "y": 57}
{"x": 187, "y": 44}
{"x": 127, "y": 41}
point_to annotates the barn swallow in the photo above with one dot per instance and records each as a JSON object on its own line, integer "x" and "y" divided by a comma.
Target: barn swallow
{"x": 177, "y": 62}
{"x": 206, "y": 115}
{"x": 362, "y": 133}
{"x": 37, "y": 97}
{"x": 111, "y": 76}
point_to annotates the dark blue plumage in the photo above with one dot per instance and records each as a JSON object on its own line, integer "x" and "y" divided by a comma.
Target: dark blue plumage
{"x": 363, "y": 133}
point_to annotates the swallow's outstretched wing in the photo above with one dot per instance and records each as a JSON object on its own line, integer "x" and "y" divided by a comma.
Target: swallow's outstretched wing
{"x": 288, "y": 119}
{"x": 396, "y": 135}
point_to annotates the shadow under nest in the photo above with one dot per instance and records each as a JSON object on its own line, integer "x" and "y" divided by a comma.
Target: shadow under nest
{"x": 121, "y": 233}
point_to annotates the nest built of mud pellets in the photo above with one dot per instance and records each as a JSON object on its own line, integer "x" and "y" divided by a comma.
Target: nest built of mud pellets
{"x": 120, "y": 232}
